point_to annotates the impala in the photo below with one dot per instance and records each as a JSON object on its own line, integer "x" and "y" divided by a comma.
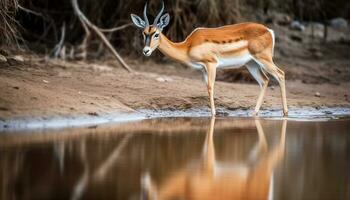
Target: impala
{"x": 209, "y": 49}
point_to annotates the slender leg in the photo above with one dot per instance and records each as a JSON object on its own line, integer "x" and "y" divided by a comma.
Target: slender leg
{"x": 261, "y": 147}
{"x": 205, "y": 76}
{"x": 284, "y": 96}
{"x": 262, "y": 138}
{"x": 209, "y": 149}
{"x": 256, "y": 71}
{"x": 278, "y": 74}
{"x": 148, "y": 186}
{"x": 277, "y": 153}
{"x": 211, "y": 72}
{"x": 261, "y": 97}
{"x": 283, "y": 134}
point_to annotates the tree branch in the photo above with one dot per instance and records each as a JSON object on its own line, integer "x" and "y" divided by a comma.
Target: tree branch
{"x": 98, "y": 32}
{"x": 29, "y": 11}
{"x": 58, "y": 48}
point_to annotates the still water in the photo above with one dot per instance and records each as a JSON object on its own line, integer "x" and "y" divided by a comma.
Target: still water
{"x": 180, "y": 158}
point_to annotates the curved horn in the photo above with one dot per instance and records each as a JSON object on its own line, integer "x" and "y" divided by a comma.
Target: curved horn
{"x": 159, "y": 15}
{"x": 145, "y": 15}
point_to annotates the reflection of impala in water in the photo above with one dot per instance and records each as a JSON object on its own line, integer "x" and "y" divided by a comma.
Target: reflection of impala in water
{"x": 210, "y": 180}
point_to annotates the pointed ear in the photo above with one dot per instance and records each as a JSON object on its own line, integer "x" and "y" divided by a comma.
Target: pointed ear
{"x": 164, "y": 21}
{"x": 138, "y": 21}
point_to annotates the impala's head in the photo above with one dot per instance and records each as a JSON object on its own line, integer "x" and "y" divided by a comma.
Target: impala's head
{"x": 151, "y": 33}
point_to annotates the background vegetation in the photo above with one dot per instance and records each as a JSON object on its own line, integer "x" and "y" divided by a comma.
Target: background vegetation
{"x": 36, "y": 24}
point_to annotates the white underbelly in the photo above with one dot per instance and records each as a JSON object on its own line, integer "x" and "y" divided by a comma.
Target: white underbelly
{"x": 196, "y": 65}
{"x": 238, "y": 168}
{"x": 234, "y": 62}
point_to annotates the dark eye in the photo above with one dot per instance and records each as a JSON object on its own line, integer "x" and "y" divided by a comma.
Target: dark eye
{"x": 156, "y": 35}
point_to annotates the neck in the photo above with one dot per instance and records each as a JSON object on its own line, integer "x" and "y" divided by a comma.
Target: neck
{"x": 176, "y": 51}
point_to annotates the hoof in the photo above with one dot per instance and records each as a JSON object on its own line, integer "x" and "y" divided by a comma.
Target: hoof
{"x": 285, "y": 113}
{"x": 255, "y": 114}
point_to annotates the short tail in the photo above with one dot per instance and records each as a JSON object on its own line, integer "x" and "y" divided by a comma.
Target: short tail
{"x": 273, "y": 40}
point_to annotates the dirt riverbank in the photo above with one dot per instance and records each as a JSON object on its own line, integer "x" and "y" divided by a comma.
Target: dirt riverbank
{"x": 39, "y": 88}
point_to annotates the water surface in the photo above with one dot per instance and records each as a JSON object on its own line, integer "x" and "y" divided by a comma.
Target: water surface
{"x": 180, "y": 158}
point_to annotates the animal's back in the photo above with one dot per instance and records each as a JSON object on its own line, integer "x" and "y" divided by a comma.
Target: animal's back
{"x": 230, "y": 46}
{"x": 226, "y": 34}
